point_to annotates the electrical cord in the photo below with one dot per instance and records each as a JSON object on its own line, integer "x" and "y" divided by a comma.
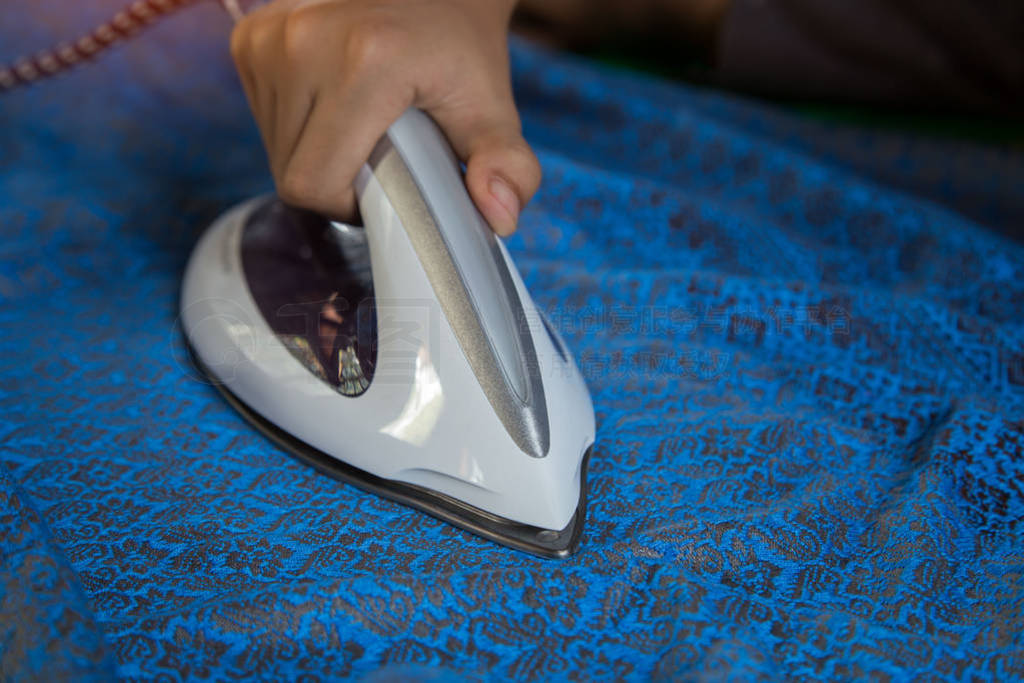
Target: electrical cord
{"x": 125, "y": 24}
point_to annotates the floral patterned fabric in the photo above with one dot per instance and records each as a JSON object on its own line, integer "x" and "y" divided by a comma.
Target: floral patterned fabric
{"x": 804, "y": 342}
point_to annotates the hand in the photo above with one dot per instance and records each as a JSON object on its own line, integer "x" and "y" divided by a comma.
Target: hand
{"x": 325, "y": 79}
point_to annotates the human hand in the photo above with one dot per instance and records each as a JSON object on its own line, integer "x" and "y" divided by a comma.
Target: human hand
{"x": 326, "y": 78}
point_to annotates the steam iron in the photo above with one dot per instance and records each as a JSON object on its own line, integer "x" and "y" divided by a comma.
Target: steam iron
{"x": 405, "y": 357}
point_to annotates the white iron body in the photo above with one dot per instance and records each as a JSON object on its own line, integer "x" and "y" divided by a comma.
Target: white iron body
{"x": 429, "y": 417}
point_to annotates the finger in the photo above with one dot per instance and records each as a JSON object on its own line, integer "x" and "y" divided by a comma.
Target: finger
{"x": 253, "y": 49}
{"x": 339, "y": 136}
{"x": 293, "y": 68}
{"x": 240, "y": 53}
{"x": 292, "y": 112}
{"x": 502, "y": 172}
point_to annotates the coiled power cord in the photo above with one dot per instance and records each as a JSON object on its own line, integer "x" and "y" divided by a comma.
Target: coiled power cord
{"x": 127, "y": 23}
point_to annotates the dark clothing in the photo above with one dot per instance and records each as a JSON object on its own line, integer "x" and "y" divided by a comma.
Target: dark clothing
{"x": 967, "y": 56}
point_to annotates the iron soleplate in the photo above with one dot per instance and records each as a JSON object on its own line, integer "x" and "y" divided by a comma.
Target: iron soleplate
{"x": 529, "y": 539}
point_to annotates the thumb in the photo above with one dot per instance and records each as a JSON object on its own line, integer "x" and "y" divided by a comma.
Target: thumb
{"x": 502, "y": 172}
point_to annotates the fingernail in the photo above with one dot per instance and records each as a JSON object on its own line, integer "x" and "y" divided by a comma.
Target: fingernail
{"x": 501, "y": 191}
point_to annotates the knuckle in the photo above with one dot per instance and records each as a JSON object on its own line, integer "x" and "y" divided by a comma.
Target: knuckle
{"x": 523, "y": 150}
{"x": 533, "y": 168}
{"x": 301, "y": 29}
{"x": 531, "y": 182}
{"x": 373, "y": 42}
{"x": 299, "y": 189}
{"x": 523, "y": 165}
{"x": 260, "y": 35}
{"x": 240, "y": 40}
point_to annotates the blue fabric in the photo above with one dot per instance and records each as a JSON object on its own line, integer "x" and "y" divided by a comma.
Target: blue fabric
{"x": 804, "y": 342}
